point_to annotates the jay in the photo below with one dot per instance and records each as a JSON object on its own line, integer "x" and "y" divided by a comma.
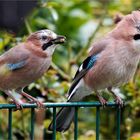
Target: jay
{"x": 26, "y": 62}
{"x": 112, "y": 61}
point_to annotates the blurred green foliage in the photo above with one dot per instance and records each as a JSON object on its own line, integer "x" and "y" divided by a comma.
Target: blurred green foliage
{"x": 82, "y": 22}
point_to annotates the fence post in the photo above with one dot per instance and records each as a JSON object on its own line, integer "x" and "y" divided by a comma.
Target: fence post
{"x": 97, "y": 122}
{"x": 10, "y": 124}
{"x": 118, "y": 122}
{"x": 32, "y": 123}
{"x": 76, "y": 123}
{"x": 54, "y": 123}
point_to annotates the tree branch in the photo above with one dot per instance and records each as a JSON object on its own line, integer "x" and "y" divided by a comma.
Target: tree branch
{"x": 28, "y": 27}
{"x": 83, "y": 50}
{"x": 62, "y": 73}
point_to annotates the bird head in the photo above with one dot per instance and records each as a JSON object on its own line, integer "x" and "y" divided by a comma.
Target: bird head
{"x": 128, "y": 29}
{"x": 46, "y": 40}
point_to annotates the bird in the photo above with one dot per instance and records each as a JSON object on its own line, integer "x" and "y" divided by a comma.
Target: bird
{"x": 111, "y": 62}
{"x": 27, "y": 62}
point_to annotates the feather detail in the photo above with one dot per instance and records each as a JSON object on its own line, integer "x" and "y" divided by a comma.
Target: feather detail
{"x": 92, "y": 61}
{"x": 4, "y": 71}
{"x": 84, "y": 67}
{"x": 15, "y": 66}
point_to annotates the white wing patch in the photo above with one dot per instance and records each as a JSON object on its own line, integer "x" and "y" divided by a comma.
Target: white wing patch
{"x": 81, "y": 67}
{"x": 80, "y": 84}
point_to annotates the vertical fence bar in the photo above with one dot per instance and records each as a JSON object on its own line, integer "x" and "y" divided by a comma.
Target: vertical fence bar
{"x": 32, "y": 123}
{"x": 118, "y": 122}
{"x": 54, "y": 123}
{"x": 97, "y": 122}
{"x": 76, "y": 124}
{"x": 10, "y": 124}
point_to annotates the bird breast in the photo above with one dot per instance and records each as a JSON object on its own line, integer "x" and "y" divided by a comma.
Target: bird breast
{"x": 114, "y": 67}
{"x": 33, "y": 70}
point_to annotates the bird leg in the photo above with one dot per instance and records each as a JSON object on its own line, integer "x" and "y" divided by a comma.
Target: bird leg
{"x": 118, "y": 99}
{"x": 16, "y": 102}
{"x": 32, "y": 99}
{"x": 101, "y": 99}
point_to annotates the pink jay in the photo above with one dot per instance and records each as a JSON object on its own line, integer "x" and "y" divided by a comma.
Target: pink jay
{"x": 26, "y": 62}
{"x": 112, "y": 61}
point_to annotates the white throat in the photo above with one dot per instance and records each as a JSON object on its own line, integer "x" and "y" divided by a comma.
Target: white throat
{"x": 137, "y": 44}
{"x": 50, "y": 50}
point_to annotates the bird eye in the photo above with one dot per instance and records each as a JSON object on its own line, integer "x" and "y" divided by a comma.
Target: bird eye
{"x": 44, "y": 37}
{"x": 136, "y": 37}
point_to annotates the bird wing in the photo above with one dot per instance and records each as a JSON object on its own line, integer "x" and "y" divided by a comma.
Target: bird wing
{"x": 14, "y": 59}
{"x": 16, "y": 66}
{"x": 100, "y": 45}
{"x": 88, "y": 63}
{"x": 84, "y": 67}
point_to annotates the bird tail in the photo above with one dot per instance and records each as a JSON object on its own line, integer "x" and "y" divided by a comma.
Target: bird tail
{"x": 64, "y": 119}
{"x": 65, "y": 116}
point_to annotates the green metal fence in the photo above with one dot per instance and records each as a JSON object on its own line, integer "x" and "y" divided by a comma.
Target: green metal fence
{"x": 96, "y": 105}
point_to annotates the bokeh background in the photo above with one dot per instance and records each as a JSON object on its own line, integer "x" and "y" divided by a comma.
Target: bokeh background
{"x": 82, "y": 22}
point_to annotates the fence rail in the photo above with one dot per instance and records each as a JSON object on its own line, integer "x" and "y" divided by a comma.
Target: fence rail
{"x": 97, "y": 105}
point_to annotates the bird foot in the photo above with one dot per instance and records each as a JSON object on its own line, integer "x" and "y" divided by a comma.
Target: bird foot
{"x": 18, "y": 105}
{"x": 39, "y": 104}
{"x": 102, "y": 101}
{"x": 119, "y": 101}
{"x": 33, "y": 100}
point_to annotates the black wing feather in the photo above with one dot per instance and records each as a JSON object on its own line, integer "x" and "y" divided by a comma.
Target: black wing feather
{"x": 79, "y": 74}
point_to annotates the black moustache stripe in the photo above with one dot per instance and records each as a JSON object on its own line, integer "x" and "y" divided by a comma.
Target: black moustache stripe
{"x": 45, "y": 46}
{"x": 136, "y": 37}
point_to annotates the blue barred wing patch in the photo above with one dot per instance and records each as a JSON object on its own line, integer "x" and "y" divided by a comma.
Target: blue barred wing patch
{"x": 15, "y": 66}
{"x": 92, "y": 61}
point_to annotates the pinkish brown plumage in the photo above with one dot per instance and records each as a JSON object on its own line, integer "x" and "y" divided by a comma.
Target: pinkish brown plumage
{"x": 118, "y": 57}
{"x": 26, "y": 62}
{"x": 112, "y": 61}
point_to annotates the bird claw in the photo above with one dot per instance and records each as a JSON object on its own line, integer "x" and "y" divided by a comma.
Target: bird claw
{"x": 119, "y": 101}
{"x": 18, "y": 105}
{"x": 34, "y": 100}
{"x": 103, "y": 101}
{"x": 40, "y": 105}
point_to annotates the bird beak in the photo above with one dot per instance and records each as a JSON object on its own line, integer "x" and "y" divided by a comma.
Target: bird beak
{"x": 58, "y": 40}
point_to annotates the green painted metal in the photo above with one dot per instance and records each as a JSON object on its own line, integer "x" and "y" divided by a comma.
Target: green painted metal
{"x": 65, "y": 104}
{"x": 76, "y": 124}
{"x": 118, "y": 122}
{"x": 10, "y": 124}
{"x": 54, "y": 123}
{"x": 97, "y": 105}
{"x": 32, "y": 123}
{"x": 97, "y": 122}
